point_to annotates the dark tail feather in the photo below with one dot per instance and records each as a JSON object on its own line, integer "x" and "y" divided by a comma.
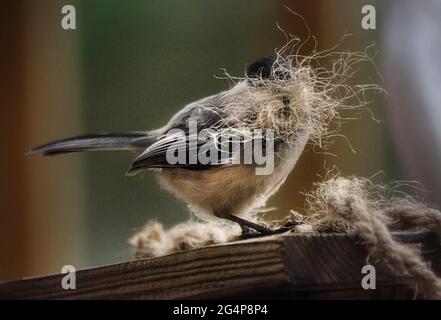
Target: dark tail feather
{"x": 102, "y": 141}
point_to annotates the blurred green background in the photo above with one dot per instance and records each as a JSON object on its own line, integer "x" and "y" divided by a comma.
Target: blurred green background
{"x": 130, "y": 65}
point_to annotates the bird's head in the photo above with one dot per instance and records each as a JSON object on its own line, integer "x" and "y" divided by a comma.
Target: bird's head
{"x": 274, "y": 94}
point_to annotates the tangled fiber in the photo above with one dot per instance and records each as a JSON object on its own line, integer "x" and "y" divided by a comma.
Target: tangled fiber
{"x": 153, "y": 240}
{"x": 316, "y": 88}
{"x": 351, "y": 205}
{"x": 341, "y": 204}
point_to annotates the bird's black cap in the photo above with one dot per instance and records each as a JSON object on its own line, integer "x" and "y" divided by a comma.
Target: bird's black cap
{"x": 261, "y": 68}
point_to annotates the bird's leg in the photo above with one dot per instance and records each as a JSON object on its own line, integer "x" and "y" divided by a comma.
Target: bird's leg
{"x": 245, "y": 224}
{"x": 288, "y": 226}
{"x": 250, "y": 229}
{"x": 248, "y": 233}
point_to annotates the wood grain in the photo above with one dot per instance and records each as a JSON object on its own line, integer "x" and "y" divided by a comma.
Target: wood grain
{"x": 325, "y": 266}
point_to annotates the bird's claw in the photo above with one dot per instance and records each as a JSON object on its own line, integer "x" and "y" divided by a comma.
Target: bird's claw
{"x": 248, "y": 232}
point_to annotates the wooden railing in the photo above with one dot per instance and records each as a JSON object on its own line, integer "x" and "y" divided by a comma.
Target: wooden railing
{"x": 324, "y": 266}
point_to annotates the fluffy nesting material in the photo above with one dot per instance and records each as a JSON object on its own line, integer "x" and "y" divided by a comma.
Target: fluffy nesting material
{"x": 315, "y": 95}
{"x": 329, "y": 204}
{"x": 348, "y": 204}
{"x": 153, "y": 240}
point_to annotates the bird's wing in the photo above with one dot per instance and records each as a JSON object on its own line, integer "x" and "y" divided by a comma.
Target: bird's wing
{"x": 178, "y": 150}
{"x": 177, "y": 135}
{"x": 178, "y": 144}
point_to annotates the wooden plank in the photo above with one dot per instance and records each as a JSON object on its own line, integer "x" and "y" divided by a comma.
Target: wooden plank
{"x": 285, "y": 266}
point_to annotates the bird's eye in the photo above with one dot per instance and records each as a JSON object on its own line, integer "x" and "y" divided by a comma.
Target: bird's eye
{"x": 285, "y": 100}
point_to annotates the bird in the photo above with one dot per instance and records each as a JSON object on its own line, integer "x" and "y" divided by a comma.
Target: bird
{"x": 221, "y": 188}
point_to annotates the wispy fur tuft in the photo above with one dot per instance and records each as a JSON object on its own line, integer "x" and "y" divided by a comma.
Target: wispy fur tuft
{"x": 154, "y": 240}
{"x": 301, "y": 93}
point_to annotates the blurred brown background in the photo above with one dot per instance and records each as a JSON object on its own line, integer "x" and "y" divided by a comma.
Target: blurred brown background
{"x": 131, "y": 65}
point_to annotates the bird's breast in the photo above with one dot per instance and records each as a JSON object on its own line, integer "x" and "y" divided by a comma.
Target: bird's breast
{"x": 235, "y": 189}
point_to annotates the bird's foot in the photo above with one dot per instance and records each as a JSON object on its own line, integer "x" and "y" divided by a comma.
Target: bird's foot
{"x": 248, "y": 232}
{"x": 288, "y": 226}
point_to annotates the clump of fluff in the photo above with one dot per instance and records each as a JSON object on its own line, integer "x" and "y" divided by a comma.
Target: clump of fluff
{"x": 348, "y": 205}
{"x": 154, "y": 240}
{"x": 317, "y": 94}
{"x": 329, "y": 204}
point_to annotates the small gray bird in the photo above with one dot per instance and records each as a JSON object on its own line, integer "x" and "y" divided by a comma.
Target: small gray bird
{"x": 266, "y": 98}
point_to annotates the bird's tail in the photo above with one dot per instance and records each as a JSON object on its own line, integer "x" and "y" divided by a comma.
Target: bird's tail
{"x": 133, "y": 141}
